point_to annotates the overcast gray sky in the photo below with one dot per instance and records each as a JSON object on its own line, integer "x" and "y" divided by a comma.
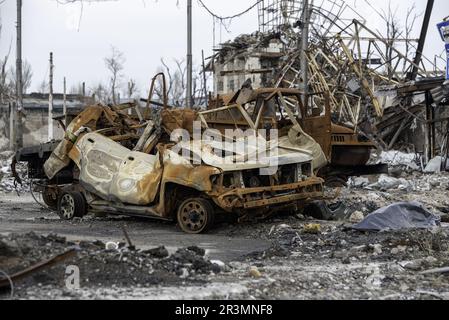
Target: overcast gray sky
{"x": 145, "y": 30}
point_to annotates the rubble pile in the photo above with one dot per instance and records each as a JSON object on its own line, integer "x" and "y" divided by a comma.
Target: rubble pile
{"x": 364, "y": 197}
{"x": 99, "y": 266}
{"x": 342, "y": 242}
{"x": 341, "y": 263}
{"x": 409, "y": 182}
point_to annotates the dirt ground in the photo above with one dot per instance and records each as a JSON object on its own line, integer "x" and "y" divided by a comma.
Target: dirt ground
{"x": 286, "y": 257}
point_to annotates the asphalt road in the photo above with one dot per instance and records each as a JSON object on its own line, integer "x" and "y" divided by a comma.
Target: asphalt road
{"x": 23, "y": 215}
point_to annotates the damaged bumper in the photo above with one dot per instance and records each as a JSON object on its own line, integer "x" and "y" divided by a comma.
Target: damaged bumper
{"x": 263, "y": 197}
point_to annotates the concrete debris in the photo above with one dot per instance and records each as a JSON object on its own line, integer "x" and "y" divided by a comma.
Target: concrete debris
{"x": 398, "y": 249}
{"x": 377, "y": 249}
{"x": 405, "y": 182}
{"x": 401, "y": 159}
{"x": 358, "y": 182}
{"x": 387, "y": 183}
{"x": 356, "y": 217}
{"x": 435, "y": 165}
{"x": 220, "y": 264}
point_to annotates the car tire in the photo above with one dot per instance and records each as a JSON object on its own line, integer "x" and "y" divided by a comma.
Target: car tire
{"x": 195, "y": 215}
{"x": 48, "y": 199}
{"x": 323, "y": 211}
{"x": 71, "y": 205}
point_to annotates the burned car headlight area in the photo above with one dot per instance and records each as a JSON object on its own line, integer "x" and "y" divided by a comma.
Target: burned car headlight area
{"x": 291, "y": 186}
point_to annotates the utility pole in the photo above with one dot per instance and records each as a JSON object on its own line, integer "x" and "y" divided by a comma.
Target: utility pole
{"x": 189, "y": 55}
{"x": 17, "y": 138}
{"x": 130, "y": 93}
{"x": 64, "y": 103}
{"x": 304, "y": 47}
{"x": 422, "y": 40}
{"x": 50, "y": 101}
{"x": 204, "y": 79}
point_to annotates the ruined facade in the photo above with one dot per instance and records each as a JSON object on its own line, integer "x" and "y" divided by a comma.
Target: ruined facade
{"x": 254, "y": 57}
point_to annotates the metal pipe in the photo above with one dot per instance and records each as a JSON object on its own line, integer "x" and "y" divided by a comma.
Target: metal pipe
{"x": 304, "y": 47}
{"x": 18, "y": 139}
{"x": 204, "y": 80}
{"x": 50, "y": 101}
{"x": 189, "y": 55}
{"x": 64, "y": 103}
{"x": 422, "y": 40}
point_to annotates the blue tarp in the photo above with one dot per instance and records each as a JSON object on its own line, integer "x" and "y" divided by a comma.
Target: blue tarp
{"x": 399, "y": 216}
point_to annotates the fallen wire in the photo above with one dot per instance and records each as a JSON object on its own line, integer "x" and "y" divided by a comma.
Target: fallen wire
{"x": 35, "y": 199}
{"x": 11, "y": 283}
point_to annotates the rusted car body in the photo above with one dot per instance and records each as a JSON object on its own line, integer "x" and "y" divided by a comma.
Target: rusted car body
{"x": 110, "y": 162}
{"x": 346, "y": 153}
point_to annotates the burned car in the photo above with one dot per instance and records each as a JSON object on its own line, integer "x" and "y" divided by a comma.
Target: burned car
{"x": 114, "y": 163}
{"x": 342, "y": 152}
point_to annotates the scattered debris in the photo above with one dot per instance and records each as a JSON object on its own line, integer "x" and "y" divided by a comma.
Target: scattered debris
{"x": 438, "y": 270}
{"x": 159, "y": 252}
{"x": 219, "y": 263}
{"x": 356, "y": 217}
{"x": 112, "y": 246}
{"x": 254, "y": 272}
{"x": 99, "y": 266}
{"x": 313, "y": 228}
{"x": 435, "y": 165}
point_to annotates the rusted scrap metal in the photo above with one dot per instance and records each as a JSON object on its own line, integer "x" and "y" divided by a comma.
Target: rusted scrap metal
{"x": 338, "y": 151}
{"x": 128, "y": 239}
{"x": 6, "y": 282}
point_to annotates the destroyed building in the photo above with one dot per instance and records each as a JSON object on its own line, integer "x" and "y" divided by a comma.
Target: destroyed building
{"x": 380, "y": 85}
{"x": 252, "y": 57}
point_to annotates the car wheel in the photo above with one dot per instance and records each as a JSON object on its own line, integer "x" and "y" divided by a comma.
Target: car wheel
{"x": 323, "y": 211}
{"x": 336, "y": 181}
{"x": 71, "y": 205}
{"x": 50, "y": 199}
{"x": 195, "y": 215}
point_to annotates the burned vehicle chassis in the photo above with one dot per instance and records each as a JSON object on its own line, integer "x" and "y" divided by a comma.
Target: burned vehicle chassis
{"x": 110, "y": 161}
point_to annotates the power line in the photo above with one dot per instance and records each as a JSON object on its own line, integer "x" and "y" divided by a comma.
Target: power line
{"x": 216, "y": 16}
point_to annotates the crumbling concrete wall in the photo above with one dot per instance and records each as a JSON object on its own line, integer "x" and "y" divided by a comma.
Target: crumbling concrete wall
{"x": 35, "y": 130}
{"x": 247, "y": 57}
